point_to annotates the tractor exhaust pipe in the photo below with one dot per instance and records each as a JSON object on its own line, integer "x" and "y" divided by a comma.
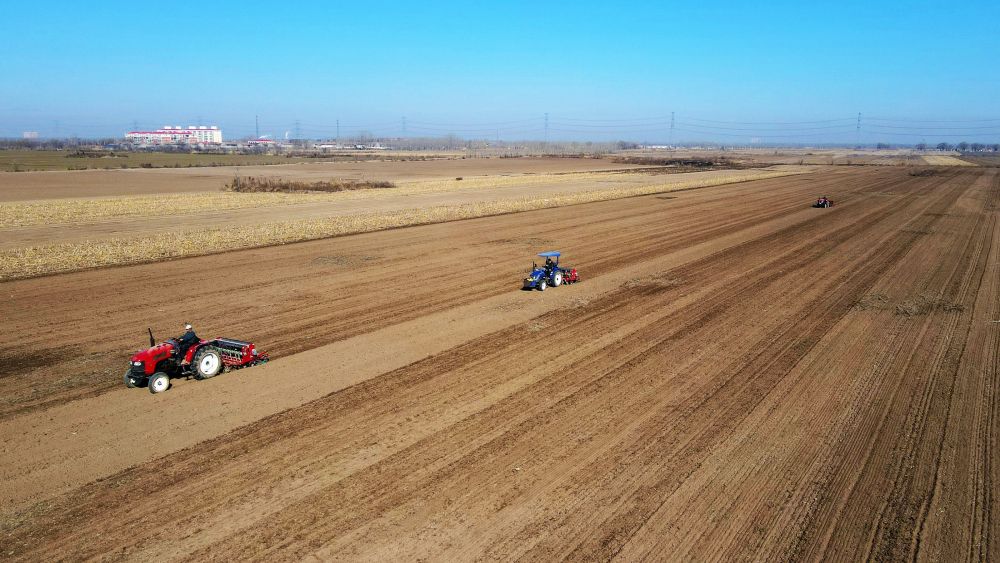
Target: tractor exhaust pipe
{"x": 152, "y": 341}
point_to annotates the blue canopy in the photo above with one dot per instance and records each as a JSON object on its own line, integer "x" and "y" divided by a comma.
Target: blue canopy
{"x": 551, "y": 253}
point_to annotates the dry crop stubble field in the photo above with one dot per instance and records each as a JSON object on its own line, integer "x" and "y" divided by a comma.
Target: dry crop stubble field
{"x": 51, "y": 236}
{"x": 99, "y": 183}
{"x": 739, "y": 376}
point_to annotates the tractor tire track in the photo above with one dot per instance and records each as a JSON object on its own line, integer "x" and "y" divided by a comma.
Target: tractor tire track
{"x": 288, "y": 304}
{"x": 616, "y": 427}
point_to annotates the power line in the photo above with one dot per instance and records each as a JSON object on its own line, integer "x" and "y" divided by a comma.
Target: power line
{"x": 898, "y": 134}
{"x": 339, "y": 124}
{"x": 934, "y": 120}
{"x": 934, "y": 127}
{"x": 850, "y": 119}
{"x": 701, "y": 132}
{"x": 606, "y": 126}
{"x": 656, "y": 126}
{"x": 453, "y": 129}
{"x": 789, "y": 136}
{"x": 821, "y": 128}
{"x": 483, "y": 123}
{"x": 620, "y": 120}
{"x": 771, "y": 128}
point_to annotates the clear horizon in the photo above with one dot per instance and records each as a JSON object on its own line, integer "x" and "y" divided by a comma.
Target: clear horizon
{"x": 729, "y": 72}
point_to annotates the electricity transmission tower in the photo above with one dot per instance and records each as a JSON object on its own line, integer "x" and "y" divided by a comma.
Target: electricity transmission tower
{"x": 671, "y": 143}
{"x": 857, "y": 136}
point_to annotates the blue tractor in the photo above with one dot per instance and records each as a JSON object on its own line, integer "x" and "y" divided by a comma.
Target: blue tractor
{"x": 549, "y": 273}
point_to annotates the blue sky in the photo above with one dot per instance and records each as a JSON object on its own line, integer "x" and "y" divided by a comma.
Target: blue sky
{"x": 599, "y": 70}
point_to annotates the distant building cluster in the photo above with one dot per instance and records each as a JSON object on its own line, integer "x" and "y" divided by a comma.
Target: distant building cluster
{"x": 177, "y": 135}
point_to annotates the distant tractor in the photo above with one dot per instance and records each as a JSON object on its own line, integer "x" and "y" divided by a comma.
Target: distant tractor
{"x": 823, "y": 202}
{"x": 550, "y": 273}
{"x": 155, "y": 366}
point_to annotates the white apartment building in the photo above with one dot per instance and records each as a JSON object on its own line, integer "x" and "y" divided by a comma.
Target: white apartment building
{"x": 171, "y": 135}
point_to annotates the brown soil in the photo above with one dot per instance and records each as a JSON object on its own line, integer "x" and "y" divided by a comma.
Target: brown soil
{"x": 97, "y": 183}
{"x": 732, "y": 380}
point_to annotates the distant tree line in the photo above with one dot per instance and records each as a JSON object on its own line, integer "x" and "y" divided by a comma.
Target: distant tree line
{"x": 53, "y": 144}
{"x": 964, "y": 147}
{"x": 449, "y": 142}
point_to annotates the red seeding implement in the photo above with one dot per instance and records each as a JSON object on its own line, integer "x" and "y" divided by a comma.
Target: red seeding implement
{"x": 155, "y": 366}
{"x": 823, "y": 202}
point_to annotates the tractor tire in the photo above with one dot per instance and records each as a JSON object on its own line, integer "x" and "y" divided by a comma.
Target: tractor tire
{"x": 158, "y": 382}
{"x": 542, "y": 284}
{"x": 557, "y": 279}
{"x": 128, "y": 380}
{"x": 207, "y": 363}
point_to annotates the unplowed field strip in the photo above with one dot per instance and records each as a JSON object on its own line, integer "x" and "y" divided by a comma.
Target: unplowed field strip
{"x": 789, "y": 384}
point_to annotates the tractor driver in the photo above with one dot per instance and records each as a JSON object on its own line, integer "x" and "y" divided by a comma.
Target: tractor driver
{"x": 549, "y": 264}
{"x": 186, "y": 341}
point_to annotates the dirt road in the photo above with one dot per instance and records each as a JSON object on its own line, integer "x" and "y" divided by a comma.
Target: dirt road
{"x": 739, "y": 376}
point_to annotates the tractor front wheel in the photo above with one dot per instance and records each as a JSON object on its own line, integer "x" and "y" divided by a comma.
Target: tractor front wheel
{"x": 128, "y": 380}
{"x": 159, "y": 382}
{"x": 207, "y": 363}
{"x": 542, "y": 284}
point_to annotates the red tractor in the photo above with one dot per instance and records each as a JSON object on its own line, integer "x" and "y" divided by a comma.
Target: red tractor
{"x": 823, "y": 202}
{"x": 155, "y": 366}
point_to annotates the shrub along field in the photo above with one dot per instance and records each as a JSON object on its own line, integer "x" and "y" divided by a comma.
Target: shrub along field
{"x": 253, "y": 184}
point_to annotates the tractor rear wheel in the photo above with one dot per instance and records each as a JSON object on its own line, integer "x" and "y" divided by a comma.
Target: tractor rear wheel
{"x": 557, "y": 279}
{"x": 207, "y": 363}
{"x": 159, "y": 382}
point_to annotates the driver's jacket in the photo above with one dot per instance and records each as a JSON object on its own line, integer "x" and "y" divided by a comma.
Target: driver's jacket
{"x": 186, "y": 341}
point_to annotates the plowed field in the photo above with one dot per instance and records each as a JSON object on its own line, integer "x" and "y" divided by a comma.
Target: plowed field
{"x": 739, "y": 376}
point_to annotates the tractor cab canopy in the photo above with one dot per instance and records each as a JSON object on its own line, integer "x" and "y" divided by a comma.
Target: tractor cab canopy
{"x": 551, "y": 254}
